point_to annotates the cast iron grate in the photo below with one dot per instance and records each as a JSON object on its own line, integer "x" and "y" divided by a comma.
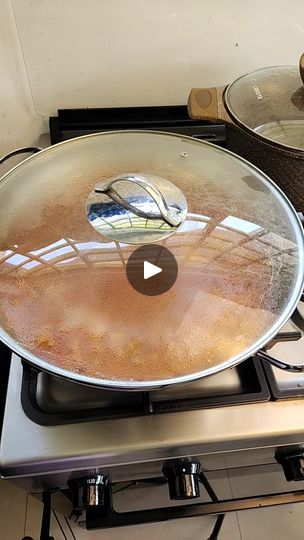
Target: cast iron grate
{"x": 253, "y": 388}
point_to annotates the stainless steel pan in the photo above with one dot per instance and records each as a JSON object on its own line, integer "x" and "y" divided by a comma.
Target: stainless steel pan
{"x": 65, "y": 239}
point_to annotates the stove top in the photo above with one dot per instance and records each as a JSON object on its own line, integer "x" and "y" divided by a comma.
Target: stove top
{"x": 49, "y": 400}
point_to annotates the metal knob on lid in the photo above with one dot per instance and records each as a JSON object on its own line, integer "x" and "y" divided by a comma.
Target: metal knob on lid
{"x": 136, "y": 208}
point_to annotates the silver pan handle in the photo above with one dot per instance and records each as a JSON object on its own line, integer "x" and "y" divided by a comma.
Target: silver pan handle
{"x": 169, "y": 215}
{"x": 279, "y": 363}
{"x": 25, "y": 150}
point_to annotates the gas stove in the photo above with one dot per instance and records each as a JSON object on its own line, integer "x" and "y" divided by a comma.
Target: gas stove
{"x": 62, "y": 435}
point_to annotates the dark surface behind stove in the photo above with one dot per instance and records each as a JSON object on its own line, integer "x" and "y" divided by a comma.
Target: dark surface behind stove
{"x": 175, "y": 119}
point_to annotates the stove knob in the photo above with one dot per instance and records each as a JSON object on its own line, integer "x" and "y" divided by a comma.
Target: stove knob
{"x": 93, "y": 491}
{"x": 292, "y": 461}
{"x": 183, "y": 479}
{"x": 88, "y": 492}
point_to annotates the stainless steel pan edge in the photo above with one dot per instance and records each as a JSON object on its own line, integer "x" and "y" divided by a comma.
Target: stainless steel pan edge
{"x": 128, "y": 385}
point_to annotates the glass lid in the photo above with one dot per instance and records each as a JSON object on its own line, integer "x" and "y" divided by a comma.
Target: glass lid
{"x": 72, "y": 216}
{"x": 270, "y": 102}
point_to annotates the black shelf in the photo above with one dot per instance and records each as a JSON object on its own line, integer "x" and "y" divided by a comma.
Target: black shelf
{"x": 70, "y": 123}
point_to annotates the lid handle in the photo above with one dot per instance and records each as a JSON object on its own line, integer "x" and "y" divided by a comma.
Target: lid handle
{"x": 169, "y": 215}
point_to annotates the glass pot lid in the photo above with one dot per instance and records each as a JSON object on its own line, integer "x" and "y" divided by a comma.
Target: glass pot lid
{"x": 66, "y": 302}
{"x": 270, "y": 102}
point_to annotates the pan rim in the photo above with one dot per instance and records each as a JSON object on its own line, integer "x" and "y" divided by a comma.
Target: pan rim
{"x": 150, "y": 385}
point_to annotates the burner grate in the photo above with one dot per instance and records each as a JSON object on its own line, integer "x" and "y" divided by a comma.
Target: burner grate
{"x": 253, "y": 388}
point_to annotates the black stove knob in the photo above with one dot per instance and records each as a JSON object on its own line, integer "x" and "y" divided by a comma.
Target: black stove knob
{"x": 292, "y": 461}
{"x": 183, "y": 479}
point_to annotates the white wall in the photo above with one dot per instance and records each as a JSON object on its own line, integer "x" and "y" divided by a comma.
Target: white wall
{"x": 103, "y": 53}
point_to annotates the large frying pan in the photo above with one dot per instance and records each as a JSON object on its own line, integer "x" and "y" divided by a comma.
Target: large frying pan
{"x": 71, "y": 216}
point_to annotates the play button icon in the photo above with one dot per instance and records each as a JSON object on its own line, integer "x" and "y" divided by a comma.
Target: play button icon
{"x": 151, "y": 269}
